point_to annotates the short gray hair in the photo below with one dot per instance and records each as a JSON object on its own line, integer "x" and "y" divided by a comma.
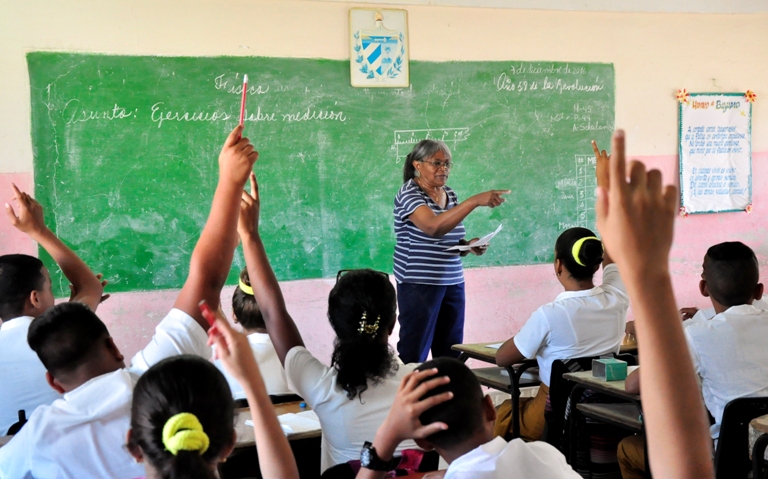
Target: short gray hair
{"x": 423, "y": 150}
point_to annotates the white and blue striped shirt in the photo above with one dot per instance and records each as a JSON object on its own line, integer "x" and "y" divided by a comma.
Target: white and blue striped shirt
{"x": 420, "y": 258}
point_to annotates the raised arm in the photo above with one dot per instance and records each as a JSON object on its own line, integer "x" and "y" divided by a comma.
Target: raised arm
{"x": 636, "y": 219}
{"x": 275, "y": 456}
{"x": 212, "y": 256}
{"x": 437, "y": 226}
{"x": 601, "y": 171}
{"x": 29, "y": 220}
{"x": 266, "y": 290}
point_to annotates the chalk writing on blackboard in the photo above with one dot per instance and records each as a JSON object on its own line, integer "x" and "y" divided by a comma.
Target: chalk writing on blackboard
{"x": 405, "y": 139}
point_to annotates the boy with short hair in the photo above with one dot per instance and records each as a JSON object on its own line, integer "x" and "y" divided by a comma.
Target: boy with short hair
{"x": 728, "y": 350}
{"x": 25, "y": 292}
{"x": 82, "y": 435}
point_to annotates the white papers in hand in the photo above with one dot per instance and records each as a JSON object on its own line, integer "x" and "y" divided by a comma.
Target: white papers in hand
{"x": 481, "y": 242}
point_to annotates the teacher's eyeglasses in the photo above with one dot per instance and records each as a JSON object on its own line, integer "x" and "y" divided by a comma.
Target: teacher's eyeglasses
{"x": 439, "y": 164}
{"x": 345, "y": 271}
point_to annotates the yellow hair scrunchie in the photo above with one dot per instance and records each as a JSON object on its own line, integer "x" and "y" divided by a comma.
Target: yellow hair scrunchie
{"x": 245, "y": 288}
{"x": 577, "y": 248}
{"x": 183, "y": 432}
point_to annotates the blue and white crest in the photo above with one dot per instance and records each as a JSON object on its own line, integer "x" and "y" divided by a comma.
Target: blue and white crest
{"x": 379, "y": 53}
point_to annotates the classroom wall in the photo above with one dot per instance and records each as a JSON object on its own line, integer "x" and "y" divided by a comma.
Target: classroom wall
{"x": 654, "y": 54}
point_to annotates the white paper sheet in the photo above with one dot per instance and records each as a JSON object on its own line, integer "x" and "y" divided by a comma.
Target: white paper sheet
{"x": 295, "y": 423}
{"x": 481, "y": 242}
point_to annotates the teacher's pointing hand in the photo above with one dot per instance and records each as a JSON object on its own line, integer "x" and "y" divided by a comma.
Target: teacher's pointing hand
{"x": 490, "y": 198}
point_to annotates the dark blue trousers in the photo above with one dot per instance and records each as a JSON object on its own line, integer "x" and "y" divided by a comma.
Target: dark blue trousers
{"x": 431, "y": 317}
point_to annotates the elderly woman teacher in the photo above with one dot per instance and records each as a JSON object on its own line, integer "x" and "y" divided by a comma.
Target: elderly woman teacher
{"x": 430, "y": 279}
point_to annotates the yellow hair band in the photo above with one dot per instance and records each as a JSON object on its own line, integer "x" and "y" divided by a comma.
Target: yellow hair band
{"x": 577, "y": 248}
{"x": 245, "y": 288}
{"x": 183, "y": 432}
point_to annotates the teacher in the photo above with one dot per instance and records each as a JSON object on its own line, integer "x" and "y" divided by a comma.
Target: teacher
{"x": 430, "y": 279}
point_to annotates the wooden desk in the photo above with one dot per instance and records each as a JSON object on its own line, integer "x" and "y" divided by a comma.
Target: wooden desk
{"x": 245, "y": 436}
{"x": 482, "y": 352}
{"x": 757, "y": 427}
{"x": 498, "y": 378}
{"x": 624, "y": 415}
{"x": 4, "y": 440}
{"x": 612, "y": 388}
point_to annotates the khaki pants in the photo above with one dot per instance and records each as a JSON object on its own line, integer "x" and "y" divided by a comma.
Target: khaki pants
{"x": 631, "y": 455}
{"x": 531, "y": 416}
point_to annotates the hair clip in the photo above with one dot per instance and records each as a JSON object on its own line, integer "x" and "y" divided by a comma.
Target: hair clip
{"x": 369, "y": 329}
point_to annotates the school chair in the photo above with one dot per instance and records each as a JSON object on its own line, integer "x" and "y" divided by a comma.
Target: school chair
{"x": 732, "y": 453}
{"x": 15, "y": 427}
{"x": 559, "y": 391}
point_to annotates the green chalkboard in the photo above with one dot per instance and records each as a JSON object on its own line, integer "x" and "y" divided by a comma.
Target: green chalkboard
{"x": 126, "y": 148}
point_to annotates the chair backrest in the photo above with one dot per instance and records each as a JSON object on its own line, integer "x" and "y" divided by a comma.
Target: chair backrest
{"x": 732, "y": 454}
{"x": 15, "y": 427}
{"x": 559, "y": 390}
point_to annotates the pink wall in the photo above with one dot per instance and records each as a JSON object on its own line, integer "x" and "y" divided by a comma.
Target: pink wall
{"x": 499, "y": 300}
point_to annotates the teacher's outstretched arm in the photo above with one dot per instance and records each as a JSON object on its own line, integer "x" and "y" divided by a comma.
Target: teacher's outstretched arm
{"x": 437, "y": 225}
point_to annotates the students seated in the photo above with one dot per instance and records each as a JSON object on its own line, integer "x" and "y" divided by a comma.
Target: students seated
{"x": 246, "y": 312}
{"x": 182, "y": 414}
{"x": 728, "y": 350}
{"x": 585, "y": 320}
{"x": 353, "y": 395}
{"x": 82, "y": 434}
{"x": 25, "y": 293}
{"x": 636, "y": 219}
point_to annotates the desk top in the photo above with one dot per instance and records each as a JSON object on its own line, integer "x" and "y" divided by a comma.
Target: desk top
{"x": 613, "y": 388}
{"x": 498, "y": 378}
{"x": 625, "y": 415}
{"x": 482, "y": 352}
{"x": 245, "y": 436}
{"x": 4, "y": 440}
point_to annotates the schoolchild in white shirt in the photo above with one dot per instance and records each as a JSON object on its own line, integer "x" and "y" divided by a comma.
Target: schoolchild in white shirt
{"x": 25, "y": 293}
{"x": 585, "y": 320}
{"x": 351, "y": 396}
{"x": 82, "y": 434}
{"x": 728, "y": 349}
{"x": 182, "y": 414}
{"x": 636, "y": 219}
{"x": 246, "y": 312}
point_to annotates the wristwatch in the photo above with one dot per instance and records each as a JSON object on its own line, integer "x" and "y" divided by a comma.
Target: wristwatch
{"x": 369, "y": 459}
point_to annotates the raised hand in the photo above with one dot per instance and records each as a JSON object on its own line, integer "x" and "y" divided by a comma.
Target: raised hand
{"x": 601, "y": 165}
{"x": 636, "y": 217}
{"x": 490, "y": 198}
{"x": 237, "y": 158}
{"x": 248, "y": 221}
{"x": 233, "y": 349}
{"x": 30, "y": 217}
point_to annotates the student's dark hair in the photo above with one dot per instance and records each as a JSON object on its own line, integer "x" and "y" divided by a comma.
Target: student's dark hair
{"x": 245, "y": 307}
{"x": 590, "y": 252}
{"x": 423, "y": 150}
{"x": 182, "y": 384}
{"x": 464, "y": 412}
{"x": 732, "y": 273}
{"x": 20, "y": 274}
{"x": 361, "y": 309}
{"x": 65, "y": 336}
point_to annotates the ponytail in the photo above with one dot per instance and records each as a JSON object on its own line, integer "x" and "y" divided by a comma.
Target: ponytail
{"x": 361, "y": 309}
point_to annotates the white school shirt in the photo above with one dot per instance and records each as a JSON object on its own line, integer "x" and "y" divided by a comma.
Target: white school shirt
{"x": 730, "y": 356}
{"x": 82, "y": 435}
{"x": 499, "y": 459}
{"x": 22, "y": 375}
{"x": 576, "y": 324}
{"x": 708, "y": 313}
{"x": 269, "y": 365}
{"x": 346, "y": 423}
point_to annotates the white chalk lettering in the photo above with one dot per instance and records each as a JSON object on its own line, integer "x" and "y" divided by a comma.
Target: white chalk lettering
{"x": 159, "y": 116}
